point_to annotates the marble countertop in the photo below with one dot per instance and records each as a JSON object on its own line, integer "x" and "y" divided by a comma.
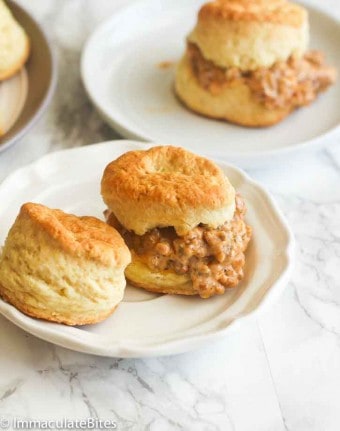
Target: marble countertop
{"x": 280, "y": 373}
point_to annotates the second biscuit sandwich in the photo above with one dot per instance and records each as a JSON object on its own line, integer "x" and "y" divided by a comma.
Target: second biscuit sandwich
{"x": 246, "y": 62}
{"x": 179, "y": 216}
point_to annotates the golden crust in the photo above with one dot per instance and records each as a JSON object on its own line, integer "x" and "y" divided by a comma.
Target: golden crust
{"x": 140, "y": 275}
{"x": 273, "y": 11}
{"x": 234, "y": 103}
{"x": 86, "y": 237}
{"x": 39, "y": 313}
{"x": 167, "y": 186}
{"x": 186, "y": 290}
{"x": 52, "y": 268}
{"x": 14, "y": 44}
{"x": 250, "y": 34}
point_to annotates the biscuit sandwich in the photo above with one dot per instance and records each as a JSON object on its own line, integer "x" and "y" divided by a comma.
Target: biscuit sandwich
{"x": 62, "y": 268}
{"x": 181, "y": 220}
{"x": 246, "y": 62}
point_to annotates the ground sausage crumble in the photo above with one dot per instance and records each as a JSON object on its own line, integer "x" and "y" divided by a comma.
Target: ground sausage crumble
{"x": 287, "y": 84}
{"x": 213, "y": 258}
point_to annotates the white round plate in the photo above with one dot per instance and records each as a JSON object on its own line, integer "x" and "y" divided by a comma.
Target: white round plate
{"x": 147, "y": 324}
{"x": 121, "y": 73}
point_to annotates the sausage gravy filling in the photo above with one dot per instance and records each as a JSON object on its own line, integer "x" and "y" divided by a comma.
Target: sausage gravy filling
{"x": 287, "y": 84}
{"x": 213, "y": 258}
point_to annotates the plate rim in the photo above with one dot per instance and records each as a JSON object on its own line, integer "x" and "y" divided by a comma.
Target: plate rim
{"x": 48, "y": 332}
{"x": 51, "y": 88}
{"x": 250, "y": 158}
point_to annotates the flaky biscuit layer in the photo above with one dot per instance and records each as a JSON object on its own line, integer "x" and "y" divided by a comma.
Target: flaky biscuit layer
{"x": 167, "y": 186}
{"x": 249, "y": 34}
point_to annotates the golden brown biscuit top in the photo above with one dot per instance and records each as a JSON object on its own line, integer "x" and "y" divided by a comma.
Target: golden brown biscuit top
{"x": 168, "y": 175}
{"x": 86, "y": 237}
{"x": 273, "y": 11}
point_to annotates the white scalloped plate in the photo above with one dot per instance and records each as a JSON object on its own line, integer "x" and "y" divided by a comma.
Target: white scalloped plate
{"x": 121, "y": 75}
{"x": 147, "y": 324}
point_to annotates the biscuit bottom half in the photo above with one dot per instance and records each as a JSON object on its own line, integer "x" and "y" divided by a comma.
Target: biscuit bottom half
{"x": 252, "y": 98}
{"x": 203, "y": 262}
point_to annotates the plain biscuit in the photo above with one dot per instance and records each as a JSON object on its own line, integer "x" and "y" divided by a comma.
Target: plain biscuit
{"x": 62, "y": 268}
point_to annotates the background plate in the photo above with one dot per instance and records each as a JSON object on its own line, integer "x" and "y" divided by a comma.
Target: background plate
{"x": 122, "y": 77}
{"x": 41, "y": 78}
{"x": 147, "y": 324}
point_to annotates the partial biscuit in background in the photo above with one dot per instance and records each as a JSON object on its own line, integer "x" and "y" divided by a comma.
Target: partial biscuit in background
{"x": 62, "y": 268}
{"x": 14, "y": 44}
